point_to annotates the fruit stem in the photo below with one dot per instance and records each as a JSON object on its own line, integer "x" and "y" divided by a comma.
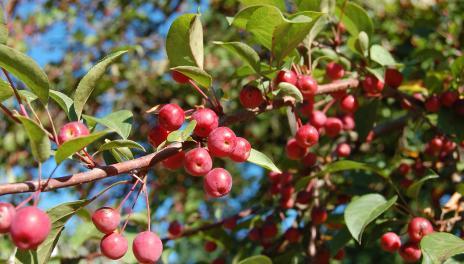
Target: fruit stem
{"x": 39, "y": 188}
{"x": 328, "y": 105}
{"x": 131, "y": 209}
{"x": 128, "y": 195}
{"x": 145, "y": 191}
{"x": 9, "y": 113}
{"x": 18, "y": 98}
{"x": 200, "y": 91}
{"x": 55, "y": 136}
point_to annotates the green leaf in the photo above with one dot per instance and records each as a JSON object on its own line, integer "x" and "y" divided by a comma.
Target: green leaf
{"x": 65, "y": 103}
{"x": 28, "y": 96}
{"x": 457, "y": 68}
{"x": 262, "y": 23}
{"x": 342, "y": 165}
{"x": 414, "y": 189}
{"x": 379, "y": 73}
{"x": 26, "y": 70}
{"x": 90, "y": 80}
{"x": 3, "y": 27}
{"x": 188, "y": 130}
{"x": 355, "y": 19}
{"x": 5, "y": 90}
{"x": 288, "y": 90}
{"x": 339, "y": 241}
{"x": 362, "y": 211}
{"x": 76, "y": 144}
{"x": 241, "y": 18}
{"x": 40, "y": 144}
{"x": 120, "y": 143}
{"x": 317, "y": 27}
{"x": 262, "y": 160}
{"x": 196, "y": 74}
{"x": 259, "y": 259}
{"x": 184, "y": 42}
{"x": 26, "y": 256}
{"x": 381, "y": 55}
{"x": 365, "y": 118}
{"x": 290, "y": 33}
{"x": 247, "y": 53}
{"x": 305, "y": 5}
{"x": 280, "y": 4}
{"x": 451, "y": 124}
{"x": 175, "y": 136}
{"x": 119, "y": 122}
{"x": 437, "y": 247}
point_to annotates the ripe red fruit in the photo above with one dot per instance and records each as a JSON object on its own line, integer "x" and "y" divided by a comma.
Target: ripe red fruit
{"x": 348, "y": 122}
{"x": 171, "y": 117}
{"x": 334, "y": 71}
{"x": 318, "y": 215}
{"x": 390, "y": 242}
{"x": 303, "y": 197}
{"x": 7, "y": 213}
{"x": 287, "y": 203}
{"x": 307, "y": 136}
{"x": 251, "y": 97}
{"x": 230, "y": 223}
{"x": 293, "y": 150}
{"x": 147, "y": 247}
{"x": 285, "y": 178}
{"x": 343, "y": 150}
{"x": 338, "y": 94}
{"x": 174, "y": 162}
{"x": 393, "y": 78}
{"x": 219, "y": 261}
{"x": 210, "y": 246}
{"x": 273, "y": 176}
{"x": 157, "y": 135}
{"x": 436, "y": 144}
{"x": 340, "y": 254}
{"x": 333, "y": 126}
{"x": 175, "y": 229}
{"x": 179, "y": 77}
{"x": 207, "y": 121}
{"x": 317, "y": 119}
{"x": 241, "y": 151}
{"x": 217, "y": 182}
{"x": 106, "y": 219}
{"x": 404, "y": 169}
{"x": 310, "y": 159}
{"x": 448, "y": 98}
{"x": 307, "y": 86}
{"x": 371, "y": 85}
{"x": 418, "y": 228}
{"x": 292, "y": 235}
{"x": 269, "y": 231}
{"x": 30, "y": 227}
{"x": 349, "y": 104}
{"x": 221, "y": 142}
{"x": 198, "y": 162}
{"x": 254, "y": 234}
{"x": 307, "y": 107}
{"x": 287, "y": 192}
{"x": 113, "y": 246}
{"x": 322, "y": 256}
{"x": 410, "y": 252}
{"x": 433, "y": 104}
{"x": 286, "y": 76}
{"x": 72, "y": 130}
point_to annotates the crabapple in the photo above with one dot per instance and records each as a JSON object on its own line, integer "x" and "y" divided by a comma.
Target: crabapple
{"x": 217, "y": 182}
{"x": 7, "y": 213}
{"x": 404, "y": 169}
{"x": 198, "y": 162}
{"x": 307, "y": 107}
{"x": 307, "y": 85}
{"x": 251, "y": 97}
{"x": 207, "y": 121}
{"x": 157, "y": 135}
{"x": 241, "y": 151}
{"x": 273, "y": 176}
{"x": 287, "y": 192}
{"x": 269, "y": 230}
{"x": 410, "y": 252}
{"x": 333, "y": 126}
{"x": 432, "y": 104}
{"x": 113, "y": 246}
{"x": 318, "y": 215}
{"x": 349, "y": 104}
{"x": 287, "y": 203}
{"x": 285, "y": 178}
{"x": 337, "y": 95}
{"x": 254, "y": 234}
{"x": 175, "y": 229}
{"x": 348, "y": 122}
{"x": 286, "y": 76}
{"x": 292, "y": 235}
{"x": 210, "y": 246}
{"x": 106, "y": 219}
{"x": 418, "y": 228}
{"x": 317, "y": 119}
{"x": 303, "y": 197}
{"x": 221, "y": 142}
{"x": 30, "y": 227}
{"x": 390, "y": 242}
{"x": 372, "y": 85}
{"x": 230, "y": 223}
{"x": 436, "y": 144}
{"x": 179, "y": 77}
{"x": 340, "y": 254}
{"x": 343, "y": 150}
{"x": 310, "y": 159}
{"x": 219, "y": 261}
{"x": 175, "y": 161}
{"x": 393, "y": 78}
{"x": 307, "y": 136}
{"x": 293, "y": 150}
{"x": 72, "y": 130}
{"x": 171, "y": 117}
{"x": 448, "y": 98}
{"x": 334, "y": 70}
{"x": 147, "y": 247}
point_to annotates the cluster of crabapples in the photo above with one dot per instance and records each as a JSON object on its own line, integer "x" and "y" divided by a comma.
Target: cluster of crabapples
{"x": 410, "y": 251}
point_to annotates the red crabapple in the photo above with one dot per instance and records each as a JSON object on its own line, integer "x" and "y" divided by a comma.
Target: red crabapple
{"x": 340, "y": 254}
{"x": 333, "y": 126}
{"x": 217, "y": 182}
{"x": 348, "y": 122}
{"x": 432, "y": 104}
{"x": 292, "y": 235}
{"x": 404, "y": 169}
{"x": 106, "y": 219}
{"x": 30, "y": 227}
{"x": 293, "y": 150}
{"x": 285, "y": 178}
{"x": 410, "y": 252}
{"x": 254, "y": 234}
{"x": 157, "y": 135}
{"x": 372, "y": 85}
{"x": 273, "y": 176}
{"x": 210, "y": 246}
{"x": 287, "y": 203}
{"x": 303, "y": 197}
{"x": 207, "y": 121}
{"x": 334, "y": 71}
{"x": 174, "y": 162}
{"x": 72, "y": 130}
{"x": 436, "y": 144}
{"x": 286, "y": 76}
{"x": 251, "y": 97}
{"x": 179, "y": 77}
{"x": 7, "y": 213}
{"x": 390, "y": 242}
{"x": 147, "y": 247}
{"x": 343, "y": 150}
{"x": 241, "y": 151}
{"x": 307, "y": 86}
{"x": 318, "y": 215}
{"x": 309, "y": 159}
{"x": 113, "y": 246}
{"x": 418, "y": 228}
{"x": 198, "y": 162}
{"x": 230, "y": 223}
{"x": 317, "y": 119}
{"x": 393, "y": 78}
{"x": 307, "y": 107}
{"x": 287, "y": 192}
{"x": 171, "y": 117}
{"x": 307, "y": 136}
{"x": 219, "y": 261}
{"x": 337, "y": 95}
{"x": 221, "y": 142}
{"x": 349, "y": 104}
{"x": 269, "y": 230}
{"x": 175, "y": 229}
{"x": 448, "y": 98}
